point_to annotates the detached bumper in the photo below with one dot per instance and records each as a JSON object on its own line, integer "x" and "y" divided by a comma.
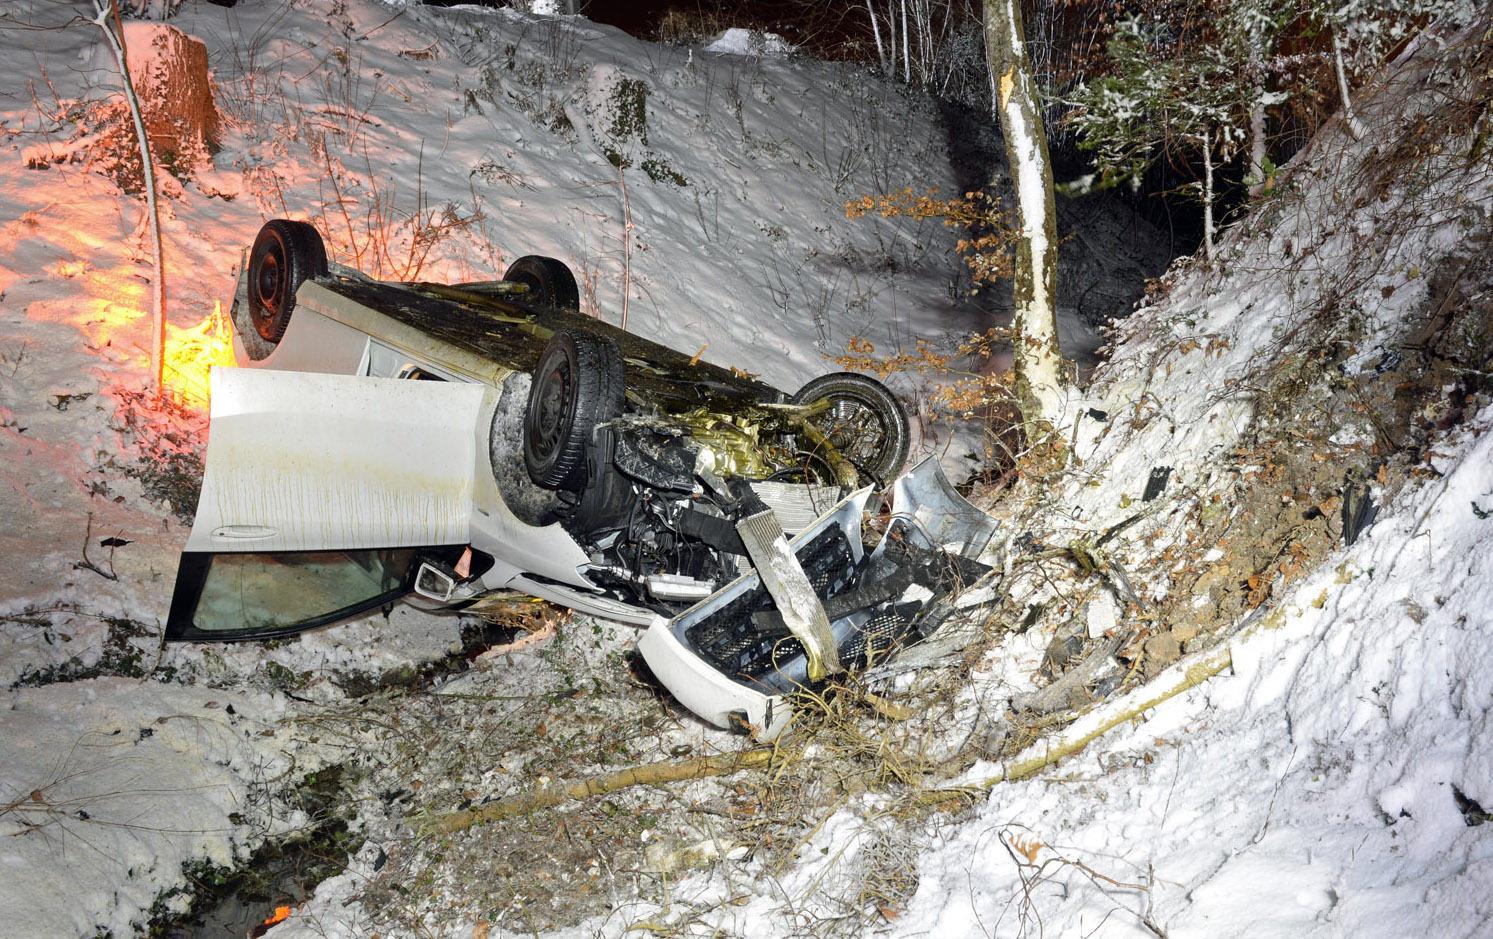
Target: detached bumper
{"x": 709, "y": 694}
{"x": 731, "y": 660}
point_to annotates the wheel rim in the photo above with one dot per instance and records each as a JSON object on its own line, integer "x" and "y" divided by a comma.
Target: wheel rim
{"x": 271, "y": 281}
{"x": 536, "y": 288}
{"x": 856, "y": 431}
{"x": 552, "y": 416}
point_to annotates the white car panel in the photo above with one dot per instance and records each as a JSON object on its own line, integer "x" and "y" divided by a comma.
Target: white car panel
{"x": 304, "y": 461}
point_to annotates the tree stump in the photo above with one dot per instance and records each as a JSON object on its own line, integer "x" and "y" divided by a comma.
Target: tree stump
{"x": 169, "y": 71}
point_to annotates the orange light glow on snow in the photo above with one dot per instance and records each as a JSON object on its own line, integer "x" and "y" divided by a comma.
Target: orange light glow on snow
{"x": 192, "y": 350}
{"x": 115, "y": 323}
{"x": 281, "y": 912}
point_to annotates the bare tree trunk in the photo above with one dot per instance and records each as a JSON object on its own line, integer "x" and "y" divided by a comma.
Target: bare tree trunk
{"x": 1257, "y": 143}
{"x": 105, "y": 10}
{"x": 1208, "y": 195}
{"x": 906, "y": 59}
{"x": 881, "y": 51}
{"x": 891, "y": 32}
{"x": 1040, "y": 372}
{"x": 1350, "y": 119}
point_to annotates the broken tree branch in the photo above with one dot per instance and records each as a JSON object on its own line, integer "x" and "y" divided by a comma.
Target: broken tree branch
{"x": 524, "y": 803}
{"x": 1085, "y": 730}
{"x": 1071, "y": 689}
{"x": 1099, "y": 720}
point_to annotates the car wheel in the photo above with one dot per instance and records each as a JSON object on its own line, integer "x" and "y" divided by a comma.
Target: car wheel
{"x": 861, "y": 419}
{"x": 578, "y": 384}
{"x": 285, "y": 255}
{"x": 549, "y": 281}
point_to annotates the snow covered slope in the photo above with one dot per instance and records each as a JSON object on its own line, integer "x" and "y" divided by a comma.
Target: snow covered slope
{"x": 1334, "y": 779}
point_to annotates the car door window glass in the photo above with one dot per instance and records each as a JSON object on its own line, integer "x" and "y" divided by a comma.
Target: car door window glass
{"x": 272, "y": 591}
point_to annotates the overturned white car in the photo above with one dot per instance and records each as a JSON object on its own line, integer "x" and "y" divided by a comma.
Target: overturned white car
{"x": 447, "y": 442}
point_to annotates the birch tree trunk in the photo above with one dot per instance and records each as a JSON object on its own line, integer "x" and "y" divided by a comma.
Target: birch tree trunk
{"x": 906, "y": 59}
{"x": 881, "y": 52}
{"x": 1040, "y": 372}
{"x": 1350, "y": 119}
{"x": 107, "y": 19}
{"x": 1257, "y": 143}
{"x": 1208, "y": 195}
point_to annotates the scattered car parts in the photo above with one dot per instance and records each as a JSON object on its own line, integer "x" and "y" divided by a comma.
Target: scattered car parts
{"x": 735, "y": 661}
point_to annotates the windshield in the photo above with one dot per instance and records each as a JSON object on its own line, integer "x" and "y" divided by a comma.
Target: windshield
{"x": 266, "y": 595}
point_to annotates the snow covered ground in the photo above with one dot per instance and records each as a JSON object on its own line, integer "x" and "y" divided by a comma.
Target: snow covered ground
{"x": 1324, "y": 784}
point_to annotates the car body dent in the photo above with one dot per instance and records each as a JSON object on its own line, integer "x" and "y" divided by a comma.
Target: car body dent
{"x": 926, "y": 499}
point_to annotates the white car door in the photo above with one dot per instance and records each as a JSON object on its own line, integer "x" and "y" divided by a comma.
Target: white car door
{"x": 321, "y": 495}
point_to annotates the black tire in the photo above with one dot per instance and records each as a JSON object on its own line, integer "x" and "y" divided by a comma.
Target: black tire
{"x": 316, "y": 249}
{"x": 864, "y": 422}
{"x": 285, "y": 255}
{"x": 549, "y": 281}
{"x": 578, "y": 384}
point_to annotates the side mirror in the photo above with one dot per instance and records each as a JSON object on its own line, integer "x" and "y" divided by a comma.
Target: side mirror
{"x": 434, "y": 583}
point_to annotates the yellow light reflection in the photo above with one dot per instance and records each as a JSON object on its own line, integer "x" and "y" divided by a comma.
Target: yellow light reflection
{"x": 192, "y": 350}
